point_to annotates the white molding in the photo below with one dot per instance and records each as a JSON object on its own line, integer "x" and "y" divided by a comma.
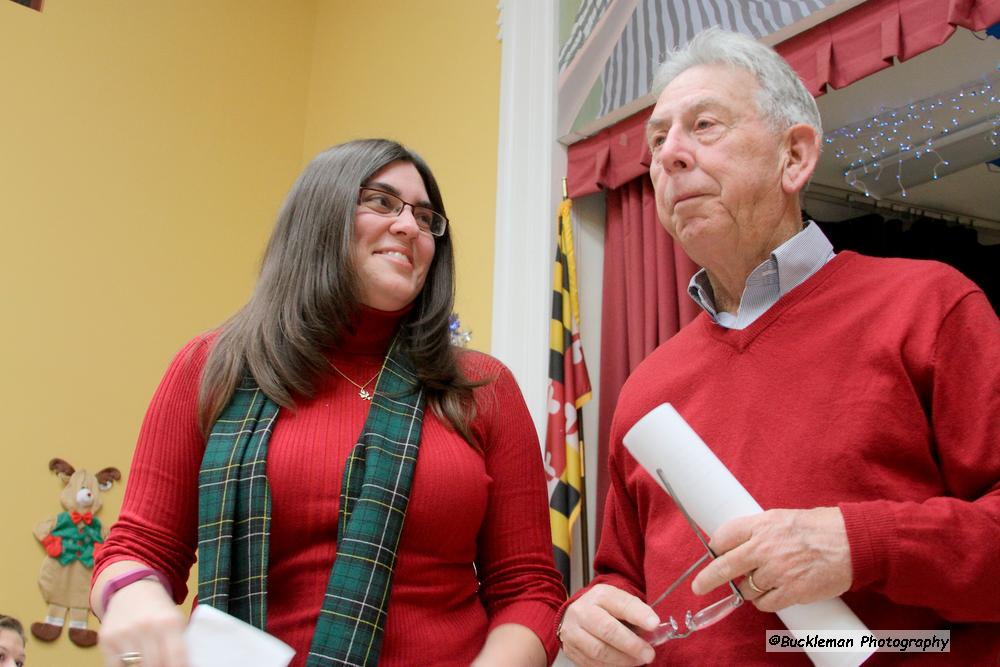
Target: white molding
{"x": 530, "y": 165}
{"x": 609, "y": 119}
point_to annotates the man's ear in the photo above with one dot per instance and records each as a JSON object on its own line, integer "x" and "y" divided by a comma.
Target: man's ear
{"x": 801, "y": 155}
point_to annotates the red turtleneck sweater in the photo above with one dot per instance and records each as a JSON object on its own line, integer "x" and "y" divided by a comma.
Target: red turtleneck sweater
{"x": 475, "y": 551}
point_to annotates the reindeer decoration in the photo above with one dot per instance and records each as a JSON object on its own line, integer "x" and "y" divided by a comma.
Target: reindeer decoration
{"x": 71, "y": 540}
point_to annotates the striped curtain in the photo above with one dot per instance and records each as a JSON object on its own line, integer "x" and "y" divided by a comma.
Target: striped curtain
{"x": 657, "y": 26}
{"x": 587, "y": 16}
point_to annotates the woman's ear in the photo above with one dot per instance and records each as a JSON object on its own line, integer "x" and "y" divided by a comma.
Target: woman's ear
{"x": 801, "y": 155}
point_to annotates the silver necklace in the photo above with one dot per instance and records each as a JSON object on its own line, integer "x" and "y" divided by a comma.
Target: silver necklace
{"x": 362, "y": 390}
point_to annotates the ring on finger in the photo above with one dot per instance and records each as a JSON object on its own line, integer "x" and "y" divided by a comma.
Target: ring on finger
{"x": 753, "y": 586}
{"x": 131, "y": 658}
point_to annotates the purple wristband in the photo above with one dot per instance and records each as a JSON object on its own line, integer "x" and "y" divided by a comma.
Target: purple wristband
{"x": 119, "y": 582}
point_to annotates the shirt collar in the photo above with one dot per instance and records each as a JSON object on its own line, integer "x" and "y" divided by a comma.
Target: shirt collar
{"x": 801, "y": 256}
{"x": 789, "y": 265}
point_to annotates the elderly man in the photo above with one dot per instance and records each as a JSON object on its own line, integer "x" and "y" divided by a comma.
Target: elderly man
{"x": 860, "y": 396}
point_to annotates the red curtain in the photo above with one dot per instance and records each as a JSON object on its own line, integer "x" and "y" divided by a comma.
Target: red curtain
{"x": 864, "y": 40}
{"x": 645, "y": 299}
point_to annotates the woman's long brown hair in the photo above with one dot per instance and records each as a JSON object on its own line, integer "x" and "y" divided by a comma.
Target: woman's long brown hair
{"x": 308, "y": 292}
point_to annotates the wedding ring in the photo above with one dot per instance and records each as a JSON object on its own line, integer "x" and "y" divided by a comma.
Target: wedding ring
{"x": 753, "y": 585}
{"x": 131, "y": 658}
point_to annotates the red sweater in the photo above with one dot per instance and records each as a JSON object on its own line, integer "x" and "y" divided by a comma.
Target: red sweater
{"x": 475, "y": 550}
{"x": 873, "y": 386}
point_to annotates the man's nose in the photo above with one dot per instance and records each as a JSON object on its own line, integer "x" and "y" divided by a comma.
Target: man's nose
{"x": 674, "y": 154}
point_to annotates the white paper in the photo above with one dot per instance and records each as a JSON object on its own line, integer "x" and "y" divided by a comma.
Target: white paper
{"x": 216, "y": 639}
{"x": 712, "y": 495}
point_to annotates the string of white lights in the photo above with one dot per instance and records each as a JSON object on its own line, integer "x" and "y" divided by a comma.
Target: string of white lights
{"x": 893, "y": 139}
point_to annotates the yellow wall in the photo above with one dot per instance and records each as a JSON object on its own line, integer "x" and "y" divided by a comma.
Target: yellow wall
{"x": 427, "y": 74}
{"x": 145, "y": 148}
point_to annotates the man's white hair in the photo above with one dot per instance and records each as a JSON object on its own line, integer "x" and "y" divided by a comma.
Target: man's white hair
{"x": 781, "y": 97}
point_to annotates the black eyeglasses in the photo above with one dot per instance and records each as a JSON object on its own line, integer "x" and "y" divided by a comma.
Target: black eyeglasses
{"x": 693, "y": 621}
{"x": 389, "y": 205}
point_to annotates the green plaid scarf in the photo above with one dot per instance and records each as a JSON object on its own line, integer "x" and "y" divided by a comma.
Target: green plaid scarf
{"x": 235, "y": 506}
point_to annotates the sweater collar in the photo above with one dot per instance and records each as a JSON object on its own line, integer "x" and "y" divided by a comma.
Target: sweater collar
{"x": 370, "y": 332}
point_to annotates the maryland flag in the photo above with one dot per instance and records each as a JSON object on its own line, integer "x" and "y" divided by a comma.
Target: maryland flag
{"x": 569, "y": 389}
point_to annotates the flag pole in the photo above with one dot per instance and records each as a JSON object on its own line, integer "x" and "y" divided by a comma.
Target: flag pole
{"x": 584, "y": 533}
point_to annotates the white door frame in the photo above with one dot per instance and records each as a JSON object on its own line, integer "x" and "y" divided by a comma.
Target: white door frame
{"x": 530, "y": 167}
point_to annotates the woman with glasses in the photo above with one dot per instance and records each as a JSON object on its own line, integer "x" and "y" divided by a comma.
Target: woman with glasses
{"x": 353, "y": 483}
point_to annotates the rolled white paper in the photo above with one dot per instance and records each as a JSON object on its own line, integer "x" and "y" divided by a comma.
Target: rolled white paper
{"x": 712, "y": 495}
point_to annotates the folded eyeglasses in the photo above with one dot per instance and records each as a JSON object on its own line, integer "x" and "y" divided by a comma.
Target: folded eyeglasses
{"x": 693, "y": 621}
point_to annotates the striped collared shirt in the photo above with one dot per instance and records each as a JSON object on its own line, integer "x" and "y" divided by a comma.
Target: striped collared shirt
{"x": 789, "y": 265}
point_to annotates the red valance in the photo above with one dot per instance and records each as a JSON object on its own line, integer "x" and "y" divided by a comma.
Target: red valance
{"x": 836, "y": 53}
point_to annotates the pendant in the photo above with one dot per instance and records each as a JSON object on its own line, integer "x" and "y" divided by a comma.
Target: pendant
{"x": 364, "y": 394}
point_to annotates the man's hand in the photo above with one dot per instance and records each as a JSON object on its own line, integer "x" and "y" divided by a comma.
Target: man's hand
{"x": 593, "y": 630}
{"x": 795, "y": 557}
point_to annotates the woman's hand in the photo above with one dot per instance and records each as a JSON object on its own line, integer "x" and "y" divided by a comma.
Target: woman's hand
{"x": 511, "y": 645}
{"x": 142, "y": 619}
